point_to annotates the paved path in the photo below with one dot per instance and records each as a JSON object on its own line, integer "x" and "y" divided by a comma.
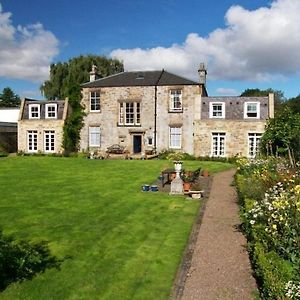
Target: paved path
{"x": 220, "y": 267}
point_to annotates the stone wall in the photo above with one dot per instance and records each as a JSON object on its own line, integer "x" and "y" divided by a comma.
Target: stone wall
{"x": 108, "y": 117}
{"x": 40, "y": 125}
{"x": 236, "y": 142}
{"x": 112, "y": 133}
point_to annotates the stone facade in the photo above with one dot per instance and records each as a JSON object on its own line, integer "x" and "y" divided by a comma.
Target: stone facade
{"x": 200, "y": 125}
{"x": 236, "y": 136}
{"x": 234, "y": 132}
{"x": 41, "y": 134}
{"x": 114, "y": 133}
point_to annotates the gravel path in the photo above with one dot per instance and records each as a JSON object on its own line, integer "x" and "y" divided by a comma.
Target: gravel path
{"x": 220, "y": 267}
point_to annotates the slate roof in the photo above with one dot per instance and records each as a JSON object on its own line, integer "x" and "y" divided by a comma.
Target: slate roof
{"x": 140, "y": 78}
{"x": 42, "y": 103}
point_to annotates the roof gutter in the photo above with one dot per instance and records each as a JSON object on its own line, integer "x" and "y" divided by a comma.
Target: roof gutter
{"x": 155, "y": 110}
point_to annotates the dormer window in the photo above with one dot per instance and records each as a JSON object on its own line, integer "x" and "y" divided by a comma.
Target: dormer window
{"x": 51, "y": 111}
{"x": 217, "y": 110}
{"x": 175, "y": 100}
{"x": 34, "y": 111}
{"x": 95, "y": 101}
{"x": 251, "y": 110}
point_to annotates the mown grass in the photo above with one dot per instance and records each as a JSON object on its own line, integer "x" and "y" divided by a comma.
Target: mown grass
{"x": 116, "y": 242}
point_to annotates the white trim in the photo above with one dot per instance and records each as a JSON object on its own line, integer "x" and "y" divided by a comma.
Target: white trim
{"x": 49, "y": 134}
{"x": 173, "y": 141}
{"x": 30, "y": 107}
{"x": 124, "y": 113}
{"x": 47, "y": 110}
{"x": 176, "y": 93}
{"x": 256, "y": 141}
{"x": 95, "y": 99}
{"x": 257, "y": 110}
{"x": 32, "y": 134}
{"x": 94, "y": 135}
{"x": 211, "y": 104}
{"x": 220, "y": 152}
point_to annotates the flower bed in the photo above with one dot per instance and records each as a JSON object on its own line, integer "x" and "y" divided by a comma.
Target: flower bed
{"x": 269, "y": 192}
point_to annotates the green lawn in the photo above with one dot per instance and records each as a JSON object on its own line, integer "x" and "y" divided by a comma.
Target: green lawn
{"x": 116, "y": 242}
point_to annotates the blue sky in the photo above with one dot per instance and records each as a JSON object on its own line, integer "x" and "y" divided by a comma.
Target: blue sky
{"x": 244, "y": 43}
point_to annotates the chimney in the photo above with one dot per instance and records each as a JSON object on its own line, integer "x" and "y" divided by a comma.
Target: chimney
{"x": 271, "y": 105}
{"x": 93, "y": 73}
{"x": 202, "y": 74}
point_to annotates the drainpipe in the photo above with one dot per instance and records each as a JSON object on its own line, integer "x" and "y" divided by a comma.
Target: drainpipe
{"x": 155, "y": 108}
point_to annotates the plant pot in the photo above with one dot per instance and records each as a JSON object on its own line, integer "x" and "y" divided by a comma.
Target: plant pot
{"x": 145, "y": 188}
{"x": 186, "y": 186}
{"x": 205, "y": 173}
{"x": 154, "y": 188}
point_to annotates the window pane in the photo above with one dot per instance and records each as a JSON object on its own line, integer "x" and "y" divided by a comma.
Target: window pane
{"x": 94, "y": 136}
{"x": 175, "y": 137}
{"x": 175, "y": 100}
{"x": 95, "y": 101}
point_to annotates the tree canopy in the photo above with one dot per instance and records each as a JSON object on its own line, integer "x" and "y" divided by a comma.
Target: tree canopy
{"x": 282, "y": 135}
{"x": 65, "y": 80}
{"x": 64, "y": 75}
{"x": 9, "y": 99}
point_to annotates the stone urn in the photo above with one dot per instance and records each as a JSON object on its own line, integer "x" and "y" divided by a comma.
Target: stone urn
{"x": 176, "y": 184}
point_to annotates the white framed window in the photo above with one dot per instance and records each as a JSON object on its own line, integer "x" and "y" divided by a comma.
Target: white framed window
{"x": 95, "y": 101}
{"x": 34, "y": 111}
{"x": 94, "y": 136}
{"x": 175, "y": 100}
{"x": 51, "y": 111}
{"x": 251, "y": 110}
{"x": 253, "y": 144}
{"x": 130, "y": 113}
{"x": 49, "y": 141}
{"x": 175, "y": 137}
{"x": 217, "y": 110}
{"x": 32, "y": 141}
{"x": 218, "y": 144}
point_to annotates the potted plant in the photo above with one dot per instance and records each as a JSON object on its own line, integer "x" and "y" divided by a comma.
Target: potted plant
{"x": 187, "y": 181}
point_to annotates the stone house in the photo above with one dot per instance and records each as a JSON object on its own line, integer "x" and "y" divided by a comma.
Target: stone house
{"x": 151, "y": 111}
{"x": 40, "y": 126}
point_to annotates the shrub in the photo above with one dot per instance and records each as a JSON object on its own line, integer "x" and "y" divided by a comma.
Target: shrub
{"x": 22, "y": 260}
{"x": 269, "y": 192}
{"x": 272, "y": 273}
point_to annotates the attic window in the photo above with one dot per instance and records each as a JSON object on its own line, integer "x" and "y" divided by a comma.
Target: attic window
{"x": 140, "y": 76}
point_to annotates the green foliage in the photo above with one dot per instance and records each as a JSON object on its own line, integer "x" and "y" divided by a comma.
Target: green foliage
{"x": 272, "y": 272}
{"x": 282, "y": 135}
{"x": 3, "y": 154}
{"x": 64, "y": 82}
{"x": 294, "y": 104}
{"x": 9, "y": 99}
{"x": 65, "y": 75}
{"x": 20, "y": 260}
{"x": 269, "y": 192}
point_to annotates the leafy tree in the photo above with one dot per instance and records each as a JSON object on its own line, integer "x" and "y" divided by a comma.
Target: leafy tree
{"x": 64, "y": 82}
{"x": 9, "y": 99}
{"x": 75, "y": 72}
{"x": 279, "y": 98}
{"x": 294, "y": 104}
{"x": 282, "y": 135}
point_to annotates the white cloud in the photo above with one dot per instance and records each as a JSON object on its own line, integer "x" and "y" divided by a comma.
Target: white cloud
{"x": 258, "y": 45}
{"x": 25, "y": 51}
{"x": 227, "y": 91}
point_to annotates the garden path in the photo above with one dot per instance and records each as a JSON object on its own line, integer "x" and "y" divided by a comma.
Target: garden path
{"x": 220, "y": 266}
